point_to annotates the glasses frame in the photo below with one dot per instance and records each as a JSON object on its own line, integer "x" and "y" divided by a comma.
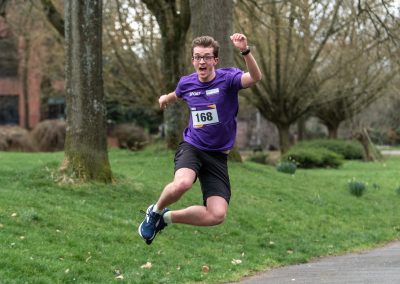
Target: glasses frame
{"x": 206, "y": 58}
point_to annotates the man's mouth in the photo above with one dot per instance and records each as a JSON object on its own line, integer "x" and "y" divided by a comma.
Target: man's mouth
{"x": 202, "y": 68}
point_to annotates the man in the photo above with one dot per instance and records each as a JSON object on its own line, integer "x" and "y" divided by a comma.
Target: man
{"x": 212, "y": 97}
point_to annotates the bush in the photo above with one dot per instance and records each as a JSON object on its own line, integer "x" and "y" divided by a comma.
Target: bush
{"x": 15, "y": 138}
{"x": 287, "y": 167}
{"x": 349, "y": 150}
{"x": 49, "y": 135}
{"x": 357, "y": 188}
{"x": 259, "y": 157}
{"x": 130, "y": 136}
{"x": 313, "y": 158}
{"x": 3, "y": 143}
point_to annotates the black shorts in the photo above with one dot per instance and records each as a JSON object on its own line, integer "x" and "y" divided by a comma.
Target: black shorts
{"x": 211, "y": 169}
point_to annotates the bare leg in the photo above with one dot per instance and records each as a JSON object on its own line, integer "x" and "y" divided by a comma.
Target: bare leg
{"x": 212, "y": 214}
{"x": 183, "y": 181}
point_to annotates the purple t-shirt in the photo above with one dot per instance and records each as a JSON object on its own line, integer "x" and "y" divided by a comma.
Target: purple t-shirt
{"x": 213, "y": 108}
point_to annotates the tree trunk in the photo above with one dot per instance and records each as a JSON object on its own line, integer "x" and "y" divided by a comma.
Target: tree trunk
{"x": 333, "y": 131}
{"x": 174, "y": 114}
{"x": 86, "y": 156}
{"x": 174, "y": 24}
{"x": 214, "y": 18}
{"x": 301, "y": 128}
{"x": 284, "y": 137}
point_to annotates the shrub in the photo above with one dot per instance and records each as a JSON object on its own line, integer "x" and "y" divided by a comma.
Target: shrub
{"x": 286, "y": 167}
{"x": 15, "y": 138}
{"x": 357, "y": 188}
{"x": 3, "y": 142}
{"x": 313, "y": 158}
{"x": 258, "y": 157}
{"x": 130, "y": 136}
{"x": 398, "y": 190}
{"x": 49, "y": 135}
{"x": 234, "y": 155}
{"x": 350, "y": 150}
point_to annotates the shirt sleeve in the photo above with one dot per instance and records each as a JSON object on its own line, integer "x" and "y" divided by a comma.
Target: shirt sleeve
{"x": 178, "y": 90}
{"x": 236, "y": 78}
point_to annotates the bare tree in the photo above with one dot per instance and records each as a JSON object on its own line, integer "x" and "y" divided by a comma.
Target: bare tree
{"x": 86, "y": 156}
{"x": 30, "y": 27}
{"x": 362, "y": 66}
{"x": 132, "y": 51}
{"x": 289, "y": 37}
{"x": 381, "y": 14}
{"x": 173, "y": 18}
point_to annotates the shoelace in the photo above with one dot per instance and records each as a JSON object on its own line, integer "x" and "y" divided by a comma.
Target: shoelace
{"x": 145, "y": 214}
{"x": 151, "y": 218}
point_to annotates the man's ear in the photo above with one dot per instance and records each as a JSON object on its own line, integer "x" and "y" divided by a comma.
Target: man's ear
{"x": 216, "y": 60}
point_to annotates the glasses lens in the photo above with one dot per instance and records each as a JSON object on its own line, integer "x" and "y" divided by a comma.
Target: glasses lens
{"x": 205, "y": 57}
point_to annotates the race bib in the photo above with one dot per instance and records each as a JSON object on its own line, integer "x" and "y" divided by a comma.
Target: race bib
{"x": 205, "y": 116}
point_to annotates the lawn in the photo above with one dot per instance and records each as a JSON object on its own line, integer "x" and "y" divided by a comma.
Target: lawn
{"x": 87, "y": 233}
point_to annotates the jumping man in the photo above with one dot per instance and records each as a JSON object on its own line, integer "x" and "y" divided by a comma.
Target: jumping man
{"x": 212, "y": 97}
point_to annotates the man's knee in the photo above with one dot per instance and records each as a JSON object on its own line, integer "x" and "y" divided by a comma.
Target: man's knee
{"x": 219, "y": 217}
{"x": 182, "y": 185}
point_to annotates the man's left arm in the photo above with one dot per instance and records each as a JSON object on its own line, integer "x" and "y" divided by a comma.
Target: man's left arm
{"x": 254, "y": 74}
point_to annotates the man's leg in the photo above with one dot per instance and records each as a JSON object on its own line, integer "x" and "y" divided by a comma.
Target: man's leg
{"x": 212, "y": 214}
{"x": 154, "y": 222}
{"x": 183, "y": 181}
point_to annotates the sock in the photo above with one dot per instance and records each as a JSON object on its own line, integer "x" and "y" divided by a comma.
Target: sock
{"x": 167, "y": 217}
{"x": 155, "y": 209}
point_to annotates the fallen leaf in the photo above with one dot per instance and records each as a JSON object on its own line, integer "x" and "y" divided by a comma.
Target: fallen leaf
{"x": 147, "y": 265}
{"x": 120, "y": 277}
{"x": 14, "y": 215}
{"x": 236, "y": 261}
{"x": 205, "y": 269}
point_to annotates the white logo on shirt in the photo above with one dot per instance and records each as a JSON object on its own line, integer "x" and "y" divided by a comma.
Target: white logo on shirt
{"x": 194, "y": 94}
{"x": 212, "y": 92}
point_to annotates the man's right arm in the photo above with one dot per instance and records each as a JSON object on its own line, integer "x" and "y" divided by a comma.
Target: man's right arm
{"x": 164, "y": 100}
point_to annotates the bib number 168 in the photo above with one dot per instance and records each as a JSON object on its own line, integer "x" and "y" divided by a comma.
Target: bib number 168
{"x": 204, "y": 117}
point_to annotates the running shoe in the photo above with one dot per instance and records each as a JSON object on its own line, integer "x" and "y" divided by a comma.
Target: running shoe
{"x": 152, "y": 224}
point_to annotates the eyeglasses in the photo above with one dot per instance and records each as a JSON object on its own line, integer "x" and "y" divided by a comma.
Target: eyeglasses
{"x": 207, "y": 58}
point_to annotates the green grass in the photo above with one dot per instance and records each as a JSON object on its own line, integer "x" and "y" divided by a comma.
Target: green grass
{"x": 87, "y": 233}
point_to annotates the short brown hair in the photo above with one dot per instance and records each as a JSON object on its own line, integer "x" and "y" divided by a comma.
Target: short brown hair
{"x": 206, "y": 41}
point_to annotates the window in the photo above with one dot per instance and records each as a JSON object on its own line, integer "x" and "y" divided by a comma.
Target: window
{"x": 56, "y": 108}
{"x": 9, "y": 109}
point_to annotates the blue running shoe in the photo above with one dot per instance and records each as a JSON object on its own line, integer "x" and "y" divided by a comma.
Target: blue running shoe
{"x": 152, "y": 224}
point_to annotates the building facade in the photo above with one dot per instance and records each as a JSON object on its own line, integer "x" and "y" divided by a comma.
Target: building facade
{"x": 21, "y": 82}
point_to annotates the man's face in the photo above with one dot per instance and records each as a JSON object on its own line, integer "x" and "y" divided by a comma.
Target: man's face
{"x": 204, "y": 63}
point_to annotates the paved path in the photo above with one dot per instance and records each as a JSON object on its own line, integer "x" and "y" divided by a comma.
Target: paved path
{"x": 376, "y": 266}
{"x": 390, "y": 152}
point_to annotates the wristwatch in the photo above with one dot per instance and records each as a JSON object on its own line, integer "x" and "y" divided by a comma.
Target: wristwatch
{"x": 245, "y": 52}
